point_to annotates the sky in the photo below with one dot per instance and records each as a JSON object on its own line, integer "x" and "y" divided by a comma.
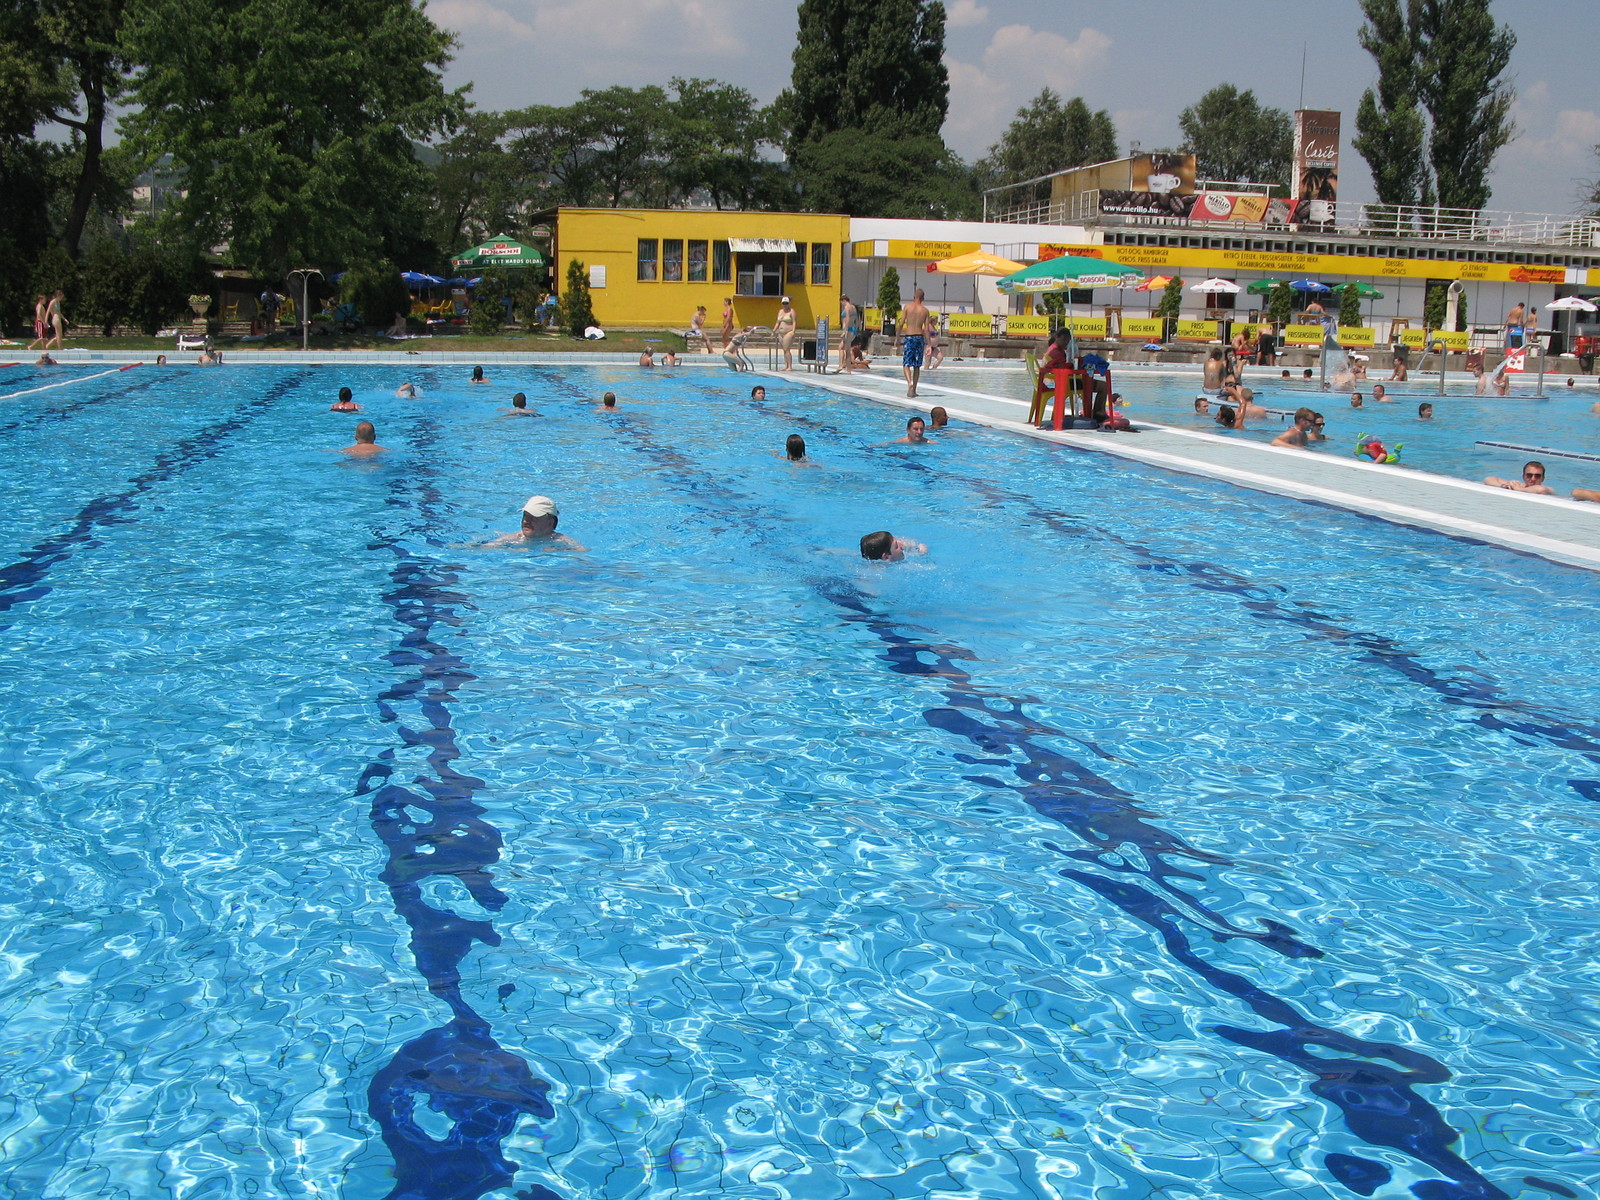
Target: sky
{"x": 1143, "y": 60}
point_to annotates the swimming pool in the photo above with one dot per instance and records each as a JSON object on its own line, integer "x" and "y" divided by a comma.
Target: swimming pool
{"x": 1446, "y": 445}
{"x": 1145, "y": 837}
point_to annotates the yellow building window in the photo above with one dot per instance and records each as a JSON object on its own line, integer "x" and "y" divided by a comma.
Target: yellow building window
{"x": 672, "y": 260}
{"x": 822, "y": 263}
{"x": 647, "y": 260}
{"x": 697, "y": 260}
{"x": 795, "y": 269}
{"x": 721, "y": 262}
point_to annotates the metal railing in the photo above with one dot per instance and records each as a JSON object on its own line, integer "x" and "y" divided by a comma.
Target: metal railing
{"x": 1416, "y": 221}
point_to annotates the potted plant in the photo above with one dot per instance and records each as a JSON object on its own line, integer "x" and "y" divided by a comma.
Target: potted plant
{"x": 889, "y": 299}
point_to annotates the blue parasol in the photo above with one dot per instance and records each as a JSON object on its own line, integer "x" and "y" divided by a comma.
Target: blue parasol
{"x": 418, "y": 279}
{"x": 1309, "y": 285}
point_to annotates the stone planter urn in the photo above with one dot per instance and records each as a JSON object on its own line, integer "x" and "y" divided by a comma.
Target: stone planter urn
{"x": 198, "y": 305}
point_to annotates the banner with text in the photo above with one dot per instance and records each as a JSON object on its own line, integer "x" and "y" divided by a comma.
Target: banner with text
{"x": 1027, "y": 326}
{"x": 1316, "y": 166}
{"x": 1195, "y": 331}
{"x": 1088, "y": 327}
{"x": 1142, "y": 329}
{"x": 1302, "y": 335}
{"x": 969, "y": 324}
{"x": 1355, "y": 337}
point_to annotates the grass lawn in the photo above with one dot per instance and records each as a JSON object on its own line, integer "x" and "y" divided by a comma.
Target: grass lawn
{"x": 617, "y": 341}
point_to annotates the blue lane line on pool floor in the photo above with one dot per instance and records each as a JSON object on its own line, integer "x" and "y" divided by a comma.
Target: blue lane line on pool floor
{"x": 458, "y": 1069}
{"x": 71, "y": 406}
{"x": 1270, "y": 602}
{"x": 1377, "y": 1101}
{"x": 27, "y": 579}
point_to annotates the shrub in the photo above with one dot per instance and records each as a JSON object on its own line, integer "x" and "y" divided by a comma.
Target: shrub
{"x": 377, "y": 292}
{"x": 1349, "y": 306}
{"x": 488, "y": 304}
{"x": 577, "y": 311}
{"x": 1171, "y": 298}
{"x": 1280, "y": 305}
{"x": 889, "y": 293}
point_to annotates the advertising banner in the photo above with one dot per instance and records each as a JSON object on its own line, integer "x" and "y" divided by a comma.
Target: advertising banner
{"x": 1353, "y": 337}
{"x": 1302, "y": 335}
{"x": 969, "y": 324}
{"x": 1164, "y": 174}
{"x": 1087, "y": 327}
{"x": 1027, "y": 326}
{"x": 1231, "y": 206}
{"x": 1141, "y": 329}
{"x": 1195, "y": 331}
{"x": 1316, "y": 167}
{"x": 1416, "y": 339}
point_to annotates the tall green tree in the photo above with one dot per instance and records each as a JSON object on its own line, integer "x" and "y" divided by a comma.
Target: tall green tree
{"x": 1390, "y": 131}
{"x": 1442, "y": 107}
{"x": 1048, "y": 136}
{"x": 865, "y": 174}
{"x": 721, "y": 146}
{"x": 1461, "y": 58}
{"x": 293, "y": 131}
{"x": 876, "y": 67}
{"x": 1234, "y": 137}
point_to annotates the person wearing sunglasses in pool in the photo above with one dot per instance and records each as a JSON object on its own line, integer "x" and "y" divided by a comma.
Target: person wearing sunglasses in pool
{"x": 1532, "y": 481}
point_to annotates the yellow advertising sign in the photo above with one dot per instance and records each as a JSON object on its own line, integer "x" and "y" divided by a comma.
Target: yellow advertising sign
{"x": 1171, "y": 260}
{"x": 1089, "y": 327}
{"x": 873, "y": 318}
{"x": 1457, "y": 342}
{"x": 1142, "y": 329}
{"x": 969, "y": 324}
{"x": 1357, "y": 337}
{"x": 1195, "y": 331}
{"x": 917, "y": 251}
{"x": 1027, "y": 326}
{"x": 1302, "y": 335}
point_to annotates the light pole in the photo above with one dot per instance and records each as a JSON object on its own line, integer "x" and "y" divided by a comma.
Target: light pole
{"x": 305, "y": 274}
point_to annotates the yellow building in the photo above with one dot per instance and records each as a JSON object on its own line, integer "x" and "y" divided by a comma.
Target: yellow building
{"x": 652, "y": 267}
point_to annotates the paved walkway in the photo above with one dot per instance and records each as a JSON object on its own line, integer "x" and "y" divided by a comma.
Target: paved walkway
{"x": 1549, "y": 526}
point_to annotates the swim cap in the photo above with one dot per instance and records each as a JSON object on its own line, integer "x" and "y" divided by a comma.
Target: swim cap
{"x": 540, "y": 506}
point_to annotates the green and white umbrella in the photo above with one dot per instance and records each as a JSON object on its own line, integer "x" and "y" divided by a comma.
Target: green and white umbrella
{"x": 499, "y": 252}
{"x": 1067, "y": 272}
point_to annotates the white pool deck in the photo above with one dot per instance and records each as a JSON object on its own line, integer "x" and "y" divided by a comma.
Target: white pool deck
{"x": 1552, "y": 527}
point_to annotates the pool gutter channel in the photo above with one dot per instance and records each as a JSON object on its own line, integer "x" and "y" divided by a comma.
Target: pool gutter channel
{"x": 1513, "y": 520}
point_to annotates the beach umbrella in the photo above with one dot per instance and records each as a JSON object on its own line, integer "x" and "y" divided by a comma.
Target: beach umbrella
{"x": 1156, "y": 283}
{"x": 1367, "y": 292}
{"x": 1216, "y": 287}
{"x": 462, "y": 281}
{"x": 979, "y": 262}
{"x": 499, "y": 252}
{"x": 418, "y": 279}
{"x": 1262, "y": 286}
{"x": 1067, "y": 272}
{"x": 1309, "y": 285}
{"x": 1571, "y": 304}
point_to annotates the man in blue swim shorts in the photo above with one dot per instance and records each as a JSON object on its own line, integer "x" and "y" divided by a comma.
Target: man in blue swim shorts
{"x": 914, "y": 320}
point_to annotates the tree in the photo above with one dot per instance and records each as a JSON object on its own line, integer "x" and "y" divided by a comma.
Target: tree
{"x": 293, "y": 132}
{"x": 864, "y": 174}
{"x": 475, "y": 182}
{"x": 1350, "y": 306}
{"x": 1171, "y": 303}
{"x": 1233, "y": 137}
{"x": 577, "y": 312}
{"x": 1390, "y": 131}
{"x": 889, "y": 293}
{"x": 1048, "y": 136}
{"x": 1445, "y": 58}
{"x": 718, "y": 146}
{"x": 1460, "y": 58}
{"x": 489, "y": 303}
{"x": 877, "y": 67}
{"x": 1280, "y": 304}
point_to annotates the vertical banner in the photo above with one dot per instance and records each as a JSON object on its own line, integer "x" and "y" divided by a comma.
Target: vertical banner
{"x": 1316, "y": 167}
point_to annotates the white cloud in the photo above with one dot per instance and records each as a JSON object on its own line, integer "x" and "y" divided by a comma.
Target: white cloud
{"x": 478, "y": 18}
{"x": 966, "y": 12}
{"x": 1017, "y": 64}
{"x": 647, "y": 28}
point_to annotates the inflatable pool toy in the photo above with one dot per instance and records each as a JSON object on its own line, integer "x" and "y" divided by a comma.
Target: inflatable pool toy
{"x": 1372, "y": 448}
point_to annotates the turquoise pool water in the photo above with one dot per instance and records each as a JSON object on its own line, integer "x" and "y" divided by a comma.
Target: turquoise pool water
{"x": 1445, "y": 445}
{"x": 1146, "y": 837}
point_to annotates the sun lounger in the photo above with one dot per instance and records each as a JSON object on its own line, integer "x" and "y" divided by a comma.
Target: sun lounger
{"x": 197, "y": 342}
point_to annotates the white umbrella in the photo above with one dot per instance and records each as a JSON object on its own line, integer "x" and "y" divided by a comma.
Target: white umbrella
{"x": 1216, "y": 287}
{"x": 1571, "y": 304}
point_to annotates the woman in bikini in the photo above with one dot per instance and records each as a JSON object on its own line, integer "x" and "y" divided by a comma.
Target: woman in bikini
{"x": 784, "y": 327}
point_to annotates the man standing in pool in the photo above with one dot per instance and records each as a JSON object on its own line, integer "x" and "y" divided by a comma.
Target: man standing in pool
{"x": 916, "y": 429}
{"x": 519, "y": 407}
{"x": 1300, "y": 432}
{"x": 1532, "y": 481}
{"x": 1379, "y": 395}
{"x": 915, "y": 322}
{"x": 538, "y": 532}
{"x": 366, "y": 441}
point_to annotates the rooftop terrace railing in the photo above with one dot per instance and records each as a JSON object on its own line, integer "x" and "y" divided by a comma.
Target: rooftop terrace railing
{"x": 1425, "y": 222}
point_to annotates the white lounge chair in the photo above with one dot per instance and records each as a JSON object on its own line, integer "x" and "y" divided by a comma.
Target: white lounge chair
{"x": 200, "y": 342}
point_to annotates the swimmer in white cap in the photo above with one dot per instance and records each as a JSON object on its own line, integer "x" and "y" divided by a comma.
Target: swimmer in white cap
{"x": 539, "y": 517}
